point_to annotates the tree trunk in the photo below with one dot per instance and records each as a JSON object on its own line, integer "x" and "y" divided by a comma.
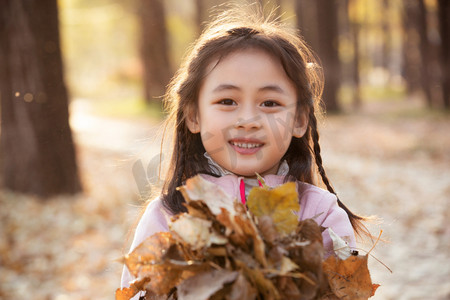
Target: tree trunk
{"x": 425, "y": 52}
{"x": 200, "y": 15}
{"x": 387, "y": 45}
{"x": 356, "y": 59}
{"x": 329, "y": 51}
{"x": 444, "y": 25}
{"x": 37, "y": 150}
{"x": 318, "y": 23}
{"x": 154, "y": 49}
{"x": 411, "y": 53}
{"x": 306, "y": 11}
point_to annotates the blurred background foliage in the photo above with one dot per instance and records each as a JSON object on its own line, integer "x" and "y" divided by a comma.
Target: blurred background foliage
{"x": 103, "y": 62}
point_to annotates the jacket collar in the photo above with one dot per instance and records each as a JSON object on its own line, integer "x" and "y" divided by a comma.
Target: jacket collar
{"x": 231, "y": 183}
{"x": 283, "y": 169}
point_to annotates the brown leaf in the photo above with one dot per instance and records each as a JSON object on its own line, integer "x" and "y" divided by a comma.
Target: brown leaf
{"x": 267, "y": 229}
{"x": 141, "y": 260}
{"x": 242, "y": 289}
{"x": 232, "y": 229}
{"x": 204, "y": 285}
{"x": 149, "y": 260}
{"x": 375, "y": 286}
{"x": 288, "y": 288}
{"x": 250, "y": 230}
{"x": 257, "y": 278}
{"x": 280, "y": 203}
{"x": 126, "y": 293}
{"x": 241, "y": 230}
{"x": 308, "y": 229}
{"x": 349, "y": 278}
{"x": 129, "y": 292}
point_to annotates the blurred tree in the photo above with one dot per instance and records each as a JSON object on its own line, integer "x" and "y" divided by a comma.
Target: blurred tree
{"x": 425, "y": 52}
{"x": 200, "y": 14}
{"x": 421, "y": 58}
{"x": 154, "y": 49}
{"x": 411, "y": 52}
{"x": 444, "y": 28}
{"x": 355, "y": 24}
{"x": 386, "y": 31}
{"x": 318, "y": 23}
{"x": 38, "y": 155}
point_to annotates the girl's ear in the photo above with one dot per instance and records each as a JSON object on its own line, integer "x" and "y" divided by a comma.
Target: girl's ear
{"x": 192, "y": 121}
{"x": 300, "y": 126}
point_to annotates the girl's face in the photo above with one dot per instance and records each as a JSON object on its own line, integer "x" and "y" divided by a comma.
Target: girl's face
{"x": 247, "y": 113}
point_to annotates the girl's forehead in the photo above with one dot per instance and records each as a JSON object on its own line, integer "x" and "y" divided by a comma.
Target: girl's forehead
{"x": 243, "y": 55}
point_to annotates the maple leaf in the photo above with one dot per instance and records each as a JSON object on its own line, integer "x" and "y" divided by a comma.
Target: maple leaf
{"x": 349, "y": 278}
{"x": 161, "y": 260}
{"x": 280, "y": 203}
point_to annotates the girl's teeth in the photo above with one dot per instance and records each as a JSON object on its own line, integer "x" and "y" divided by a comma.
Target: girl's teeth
{"x": 246, "y": 145}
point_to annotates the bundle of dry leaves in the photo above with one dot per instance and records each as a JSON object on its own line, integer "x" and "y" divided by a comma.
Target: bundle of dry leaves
{"x": 220, "y": 249}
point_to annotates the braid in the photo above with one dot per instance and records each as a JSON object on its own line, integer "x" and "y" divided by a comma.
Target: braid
{"x": 173, "y": 199}
{"x": 187, "y": 161}
{"x": 355, "y": 220}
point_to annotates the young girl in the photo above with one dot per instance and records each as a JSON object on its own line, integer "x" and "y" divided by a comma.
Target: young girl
{"x": 244, "y": 102}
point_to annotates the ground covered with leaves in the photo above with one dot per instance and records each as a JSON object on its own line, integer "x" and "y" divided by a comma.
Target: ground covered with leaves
{"x": 390, "y": 160}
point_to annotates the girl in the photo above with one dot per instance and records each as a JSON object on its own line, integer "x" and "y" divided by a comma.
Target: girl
{"x": 244, "y": 102}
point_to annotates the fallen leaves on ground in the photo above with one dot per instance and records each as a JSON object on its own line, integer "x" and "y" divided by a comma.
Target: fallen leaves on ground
{"x": 219, "y": 250}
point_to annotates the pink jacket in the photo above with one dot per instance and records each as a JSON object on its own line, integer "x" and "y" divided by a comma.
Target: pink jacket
{"x": 314, "y": 202}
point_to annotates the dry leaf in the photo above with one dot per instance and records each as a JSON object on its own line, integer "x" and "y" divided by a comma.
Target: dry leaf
{"x": 212, "y": 253}
{"x": 349, "y": 278}
{"x": 129, "y": 292}
{"x": 289, "y": 289}
{"x": 196, "y": 232}
{"x": 267, "y": 229}
{"x": 142, "y": 259}
{"x": 264, "y": 285}
{"x": 242, "y": 289}
{"x": 340, "y": 247}
{"x": 197, "y": 188}
{"x": 126, "y": 293}
{"x": 156, "y": 259}
{"x": 205, "y": 284}
{"x": 287, "y": 265}
{"x": 280, "y": 203}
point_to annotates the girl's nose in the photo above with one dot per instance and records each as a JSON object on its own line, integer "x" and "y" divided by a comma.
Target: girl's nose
{"x": 248, "y": 120}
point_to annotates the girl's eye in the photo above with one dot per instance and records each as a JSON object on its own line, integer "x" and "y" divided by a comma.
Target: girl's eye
{"x": 270, "y": 103}
{"x": 227, "y": 102}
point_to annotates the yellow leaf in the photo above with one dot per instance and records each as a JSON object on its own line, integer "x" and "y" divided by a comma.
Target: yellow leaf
{"x": 280, "y": 203}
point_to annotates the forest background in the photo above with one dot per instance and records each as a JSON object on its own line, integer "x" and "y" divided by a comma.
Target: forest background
{"x": 80, "y": 99}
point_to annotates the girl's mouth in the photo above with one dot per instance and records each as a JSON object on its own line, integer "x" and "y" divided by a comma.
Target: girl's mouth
{"x": 246, "y": 146}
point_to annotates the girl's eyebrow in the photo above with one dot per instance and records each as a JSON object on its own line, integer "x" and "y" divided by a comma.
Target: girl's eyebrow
{"x": 272, "y": 87}
{"x": 224, "y": 87}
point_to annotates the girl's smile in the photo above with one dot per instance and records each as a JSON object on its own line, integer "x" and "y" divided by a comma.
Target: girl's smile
{"x": 246, "y": 146}
{"x": 247, "y": 112}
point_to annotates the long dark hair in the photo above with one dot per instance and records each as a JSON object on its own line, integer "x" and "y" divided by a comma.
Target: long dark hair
{"x": 232, "y": 31}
